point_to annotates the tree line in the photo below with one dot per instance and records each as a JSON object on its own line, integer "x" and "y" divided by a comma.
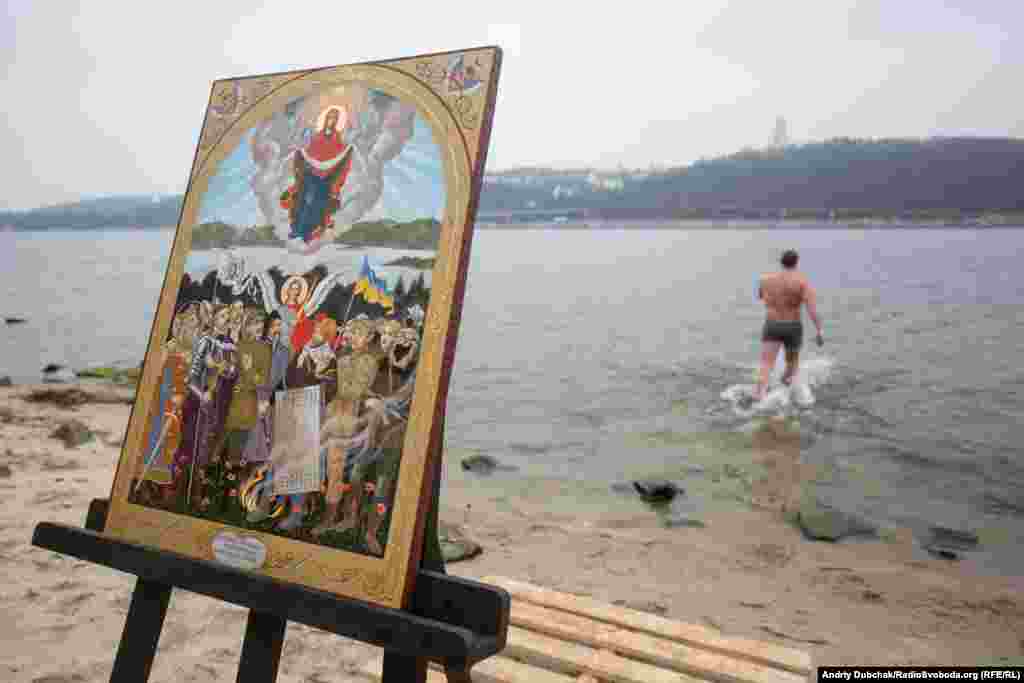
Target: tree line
{"x": 869, "y": 175}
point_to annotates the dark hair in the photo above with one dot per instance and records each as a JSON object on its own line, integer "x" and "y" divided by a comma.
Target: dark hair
{"x": 789, "y": 259}
{"x": 274, "y": 315}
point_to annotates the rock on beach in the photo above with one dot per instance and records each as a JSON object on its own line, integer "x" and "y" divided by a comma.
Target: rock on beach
{"x": 948, "y": 543}
{"x": 73, "y": 433}
{"x": 483, "y": 464}
{"x": 821, "y": 522}
{"x": 657, "y": 490}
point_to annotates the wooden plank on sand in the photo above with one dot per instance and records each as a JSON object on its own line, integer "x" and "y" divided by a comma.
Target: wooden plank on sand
{"x": 546, "y": 652}
{"x": 697, "y": 636}
{"x": 372, "y": 670}
{"x": 491, "y": 670}
{"x": 550, "y": 653}
{"x": 642, "y": 647}
{"x": 505, "y": 670}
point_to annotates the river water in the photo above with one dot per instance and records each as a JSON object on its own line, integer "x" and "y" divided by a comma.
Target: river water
{"x": 599, "y": 356}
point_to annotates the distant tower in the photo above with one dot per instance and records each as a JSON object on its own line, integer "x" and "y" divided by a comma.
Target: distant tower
{"x": 780, "y": 138}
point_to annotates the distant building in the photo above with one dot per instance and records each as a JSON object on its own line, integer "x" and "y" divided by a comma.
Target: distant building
{"x": 780, "y": 138}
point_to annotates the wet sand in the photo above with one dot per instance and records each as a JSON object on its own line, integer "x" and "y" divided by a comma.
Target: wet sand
{"x": 747, "y": 572}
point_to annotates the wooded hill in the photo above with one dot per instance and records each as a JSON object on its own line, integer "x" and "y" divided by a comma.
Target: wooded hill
{"x": 869, "y": 177}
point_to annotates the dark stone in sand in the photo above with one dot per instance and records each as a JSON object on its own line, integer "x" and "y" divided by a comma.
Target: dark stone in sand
{"x": 73, "y": 433}
{"x": 455, "y": 546}
{"x": 64, "y": 398}
{"x": 5, "y": 471}
{"x": 57, "y": 374}
{"x": 5, "y": 381}
{"x": 953, "y": 539}
{"x": 483, "y": 464}
{"x": 821, "y": 522}
{"x": 72, "y": 397}
{"x": 657, "y": 490}
{"x": 948, "y": 543}
{"x": 15, "y": 321}
{"x": 942, "y": 553}
{"x": 687, "y": 522}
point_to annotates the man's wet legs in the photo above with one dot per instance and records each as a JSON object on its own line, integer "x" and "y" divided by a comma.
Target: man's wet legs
{"x": 769, "y": 352}
{"x": 792, "y": 365}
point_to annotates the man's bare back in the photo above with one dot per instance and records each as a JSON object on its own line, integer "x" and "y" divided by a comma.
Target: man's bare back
{"x": 783, "y": 294}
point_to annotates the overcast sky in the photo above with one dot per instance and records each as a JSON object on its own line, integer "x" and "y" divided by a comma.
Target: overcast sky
{"x": 108, "y": 97}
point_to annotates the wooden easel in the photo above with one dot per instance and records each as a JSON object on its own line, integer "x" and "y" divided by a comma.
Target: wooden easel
{"x": 452, "y": 621}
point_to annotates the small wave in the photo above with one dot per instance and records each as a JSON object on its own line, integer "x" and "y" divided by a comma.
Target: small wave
{"x": 921, "y": 461}
{"x": 1010, "y": 505}
{"x": 780, "y": 400}
{"x": 529, "y": 448}
{"x": 906, "y": 457}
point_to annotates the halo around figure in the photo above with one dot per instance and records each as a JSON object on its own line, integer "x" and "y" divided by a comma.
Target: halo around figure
{"x": 342, "y": 117}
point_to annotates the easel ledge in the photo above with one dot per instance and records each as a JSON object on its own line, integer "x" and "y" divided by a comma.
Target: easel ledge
{"x": 452, "y": 621}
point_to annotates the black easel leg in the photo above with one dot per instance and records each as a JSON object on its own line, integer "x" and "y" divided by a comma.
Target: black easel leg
{"x": 399, "y": 668}
{"x": 261, "y": 649}
{"x": 141, "y": 632}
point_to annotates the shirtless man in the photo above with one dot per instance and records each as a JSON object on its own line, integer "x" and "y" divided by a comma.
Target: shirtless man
{"x": 783, "y": 294}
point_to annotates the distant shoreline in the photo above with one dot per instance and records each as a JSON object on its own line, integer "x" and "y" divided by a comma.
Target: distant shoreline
{"x": 952, "y": 180}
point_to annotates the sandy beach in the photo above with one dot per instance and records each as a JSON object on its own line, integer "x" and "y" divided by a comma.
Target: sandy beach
{"x": 747, "y": 572}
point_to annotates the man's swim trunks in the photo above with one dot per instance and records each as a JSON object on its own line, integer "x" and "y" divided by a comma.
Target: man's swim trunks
{"x": 789, "y": 332}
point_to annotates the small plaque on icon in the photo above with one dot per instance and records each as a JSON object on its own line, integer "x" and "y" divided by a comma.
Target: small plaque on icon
{"x": 241, "y": 552}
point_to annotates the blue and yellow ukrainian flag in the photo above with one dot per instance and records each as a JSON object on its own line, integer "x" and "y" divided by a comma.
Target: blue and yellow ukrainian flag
{"x": 372, "y": 287}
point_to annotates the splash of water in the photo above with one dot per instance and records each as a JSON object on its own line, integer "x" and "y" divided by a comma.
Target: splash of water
{"x": 780, "y": 399}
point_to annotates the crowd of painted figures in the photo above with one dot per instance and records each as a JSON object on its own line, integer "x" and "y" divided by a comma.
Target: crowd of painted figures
{"x": 224, "y": 366}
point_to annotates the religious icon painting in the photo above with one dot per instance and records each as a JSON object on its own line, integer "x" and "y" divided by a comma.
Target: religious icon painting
{"x": 288, "y": 418}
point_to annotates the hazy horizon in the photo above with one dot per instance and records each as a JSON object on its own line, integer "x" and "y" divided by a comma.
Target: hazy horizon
{"x": 104, "y": 97}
